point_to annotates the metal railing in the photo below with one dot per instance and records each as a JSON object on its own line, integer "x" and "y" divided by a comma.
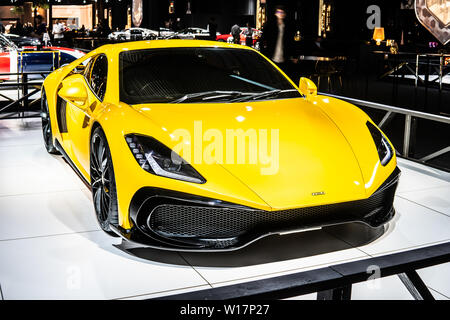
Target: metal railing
{"x": 391, "y": 111}
{"x": 437, "y": 68}
{"x": 23, "y": 83}
{"x": 334, "y": 282}
{"x": 409, "y": 80}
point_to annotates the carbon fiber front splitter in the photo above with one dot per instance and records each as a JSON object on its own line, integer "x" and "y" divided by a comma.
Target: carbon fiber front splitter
{"x": 169, "y": 220}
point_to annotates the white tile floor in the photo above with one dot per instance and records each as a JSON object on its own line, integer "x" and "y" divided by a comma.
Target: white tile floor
{"x": 52, "y": 248}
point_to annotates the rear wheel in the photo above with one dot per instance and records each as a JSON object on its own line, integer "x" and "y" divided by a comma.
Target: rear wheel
{"x": 46, "y": 126}
{"x": 103, "y": 182}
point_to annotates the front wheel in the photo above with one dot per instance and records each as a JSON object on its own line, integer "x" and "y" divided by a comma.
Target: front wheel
{"x": 47, "y": 126}
{"x": 103, "y": 182}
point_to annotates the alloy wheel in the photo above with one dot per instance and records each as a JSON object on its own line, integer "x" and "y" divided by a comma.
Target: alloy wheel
{"x": 46, "y": 126}
{"x": 103, "y": 182}
{"x": 100, "y": 178}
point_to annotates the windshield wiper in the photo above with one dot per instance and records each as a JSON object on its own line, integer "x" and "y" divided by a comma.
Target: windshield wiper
{"x": 209, "y": 95}
{"x": 265, "y": 94}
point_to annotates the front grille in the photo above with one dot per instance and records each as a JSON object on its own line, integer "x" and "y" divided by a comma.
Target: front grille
{"x": 190, "y": 222}
{"x": 184, "y": 221}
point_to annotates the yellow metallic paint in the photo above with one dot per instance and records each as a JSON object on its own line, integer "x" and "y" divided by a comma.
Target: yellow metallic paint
{"x": 325, "y": 145}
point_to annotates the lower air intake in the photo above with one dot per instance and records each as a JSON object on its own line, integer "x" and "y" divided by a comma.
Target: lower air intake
{"x": 183, "y": 221}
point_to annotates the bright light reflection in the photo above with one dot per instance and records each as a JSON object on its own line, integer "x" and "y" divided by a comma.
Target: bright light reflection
{"x": 374, "y": 173}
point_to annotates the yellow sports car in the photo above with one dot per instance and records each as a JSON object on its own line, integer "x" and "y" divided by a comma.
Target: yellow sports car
{"x": 198, "y": 145}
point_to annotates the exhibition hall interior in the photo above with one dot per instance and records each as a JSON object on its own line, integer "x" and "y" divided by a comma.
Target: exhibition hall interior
{"x": 225, "y": 149}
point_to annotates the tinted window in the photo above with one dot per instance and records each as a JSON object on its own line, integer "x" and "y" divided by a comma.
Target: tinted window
{"x": 164, "y": 75}
{"x": 97, "y": 76}
{"x": 65, "y": 58}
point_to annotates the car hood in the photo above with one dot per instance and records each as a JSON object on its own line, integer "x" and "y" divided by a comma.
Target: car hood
{"x": 302, "y": 157}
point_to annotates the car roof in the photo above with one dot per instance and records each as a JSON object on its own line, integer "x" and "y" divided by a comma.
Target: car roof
{"x": 172, "y": 43}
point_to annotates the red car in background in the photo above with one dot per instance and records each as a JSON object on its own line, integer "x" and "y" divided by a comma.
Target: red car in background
{"x": 256, "y": 35}
{"x": 29, "y": 58}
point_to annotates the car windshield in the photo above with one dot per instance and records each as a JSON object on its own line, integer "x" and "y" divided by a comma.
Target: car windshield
{"x": 187, "y": 75}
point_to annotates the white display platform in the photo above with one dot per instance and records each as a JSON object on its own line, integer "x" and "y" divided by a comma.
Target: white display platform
{"x": 52, "y": 248}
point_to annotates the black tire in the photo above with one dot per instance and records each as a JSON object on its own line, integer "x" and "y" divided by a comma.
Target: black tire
{"x": 103, "y": 182}
{"x": 46, "y": 126}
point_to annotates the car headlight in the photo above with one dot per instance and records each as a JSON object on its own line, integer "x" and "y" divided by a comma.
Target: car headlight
{"x": 384, "y": 149}
{"x": 160, "y": 160}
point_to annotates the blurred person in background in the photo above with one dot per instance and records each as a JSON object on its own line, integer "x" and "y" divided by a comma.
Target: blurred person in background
{"x": 278, "y": 42}
{"x": 41, "y": 27}
{"x": 212, "y": 28}
{"x": 17, "y": 29}
{"x": 46, "y": 38}
{"x": 236, "y": 34}
{"x": 28, "y": 29}
{"x": 249, "y": 35}
{"x": 58, "y": 33}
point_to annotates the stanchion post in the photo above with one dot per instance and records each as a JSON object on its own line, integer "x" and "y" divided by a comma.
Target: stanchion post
{"x": 407, "y": 136}
{"x": 427, "y": 78}
{"x": 441, "y": 67}
{"x": 416, "y": 81}
{"x": 24, "y": 93}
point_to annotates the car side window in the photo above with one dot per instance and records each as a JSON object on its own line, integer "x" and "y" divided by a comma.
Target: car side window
{"x": 97, "y": 74}
{"x": 87, "y": 70}
{"x": 81, "y": 68}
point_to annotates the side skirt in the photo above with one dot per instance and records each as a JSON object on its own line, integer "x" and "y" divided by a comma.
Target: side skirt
{"x": 59, "y": 147}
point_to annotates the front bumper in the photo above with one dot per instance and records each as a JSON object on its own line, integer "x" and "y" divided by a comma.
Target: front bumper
{"x": 172, "y": 220}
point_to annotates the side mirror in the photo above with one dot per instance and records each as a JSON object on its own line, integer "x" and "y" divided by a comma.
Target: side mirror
{"x": 307, "y": 87}
{"x": 74, "y": 90}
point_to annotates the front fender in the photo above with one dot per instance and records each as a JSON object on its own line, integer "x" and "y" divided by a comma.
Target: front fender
{"x": 352, "y": 122}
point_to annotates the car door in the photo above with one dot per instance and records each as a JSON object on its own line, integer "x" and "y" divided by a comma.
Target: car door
{"x": 79, "y": 117}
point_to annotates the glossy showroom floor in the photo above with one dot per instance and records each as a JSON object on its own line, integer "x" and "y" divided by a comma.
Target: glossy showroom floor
{"x": 52, "y": 248}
